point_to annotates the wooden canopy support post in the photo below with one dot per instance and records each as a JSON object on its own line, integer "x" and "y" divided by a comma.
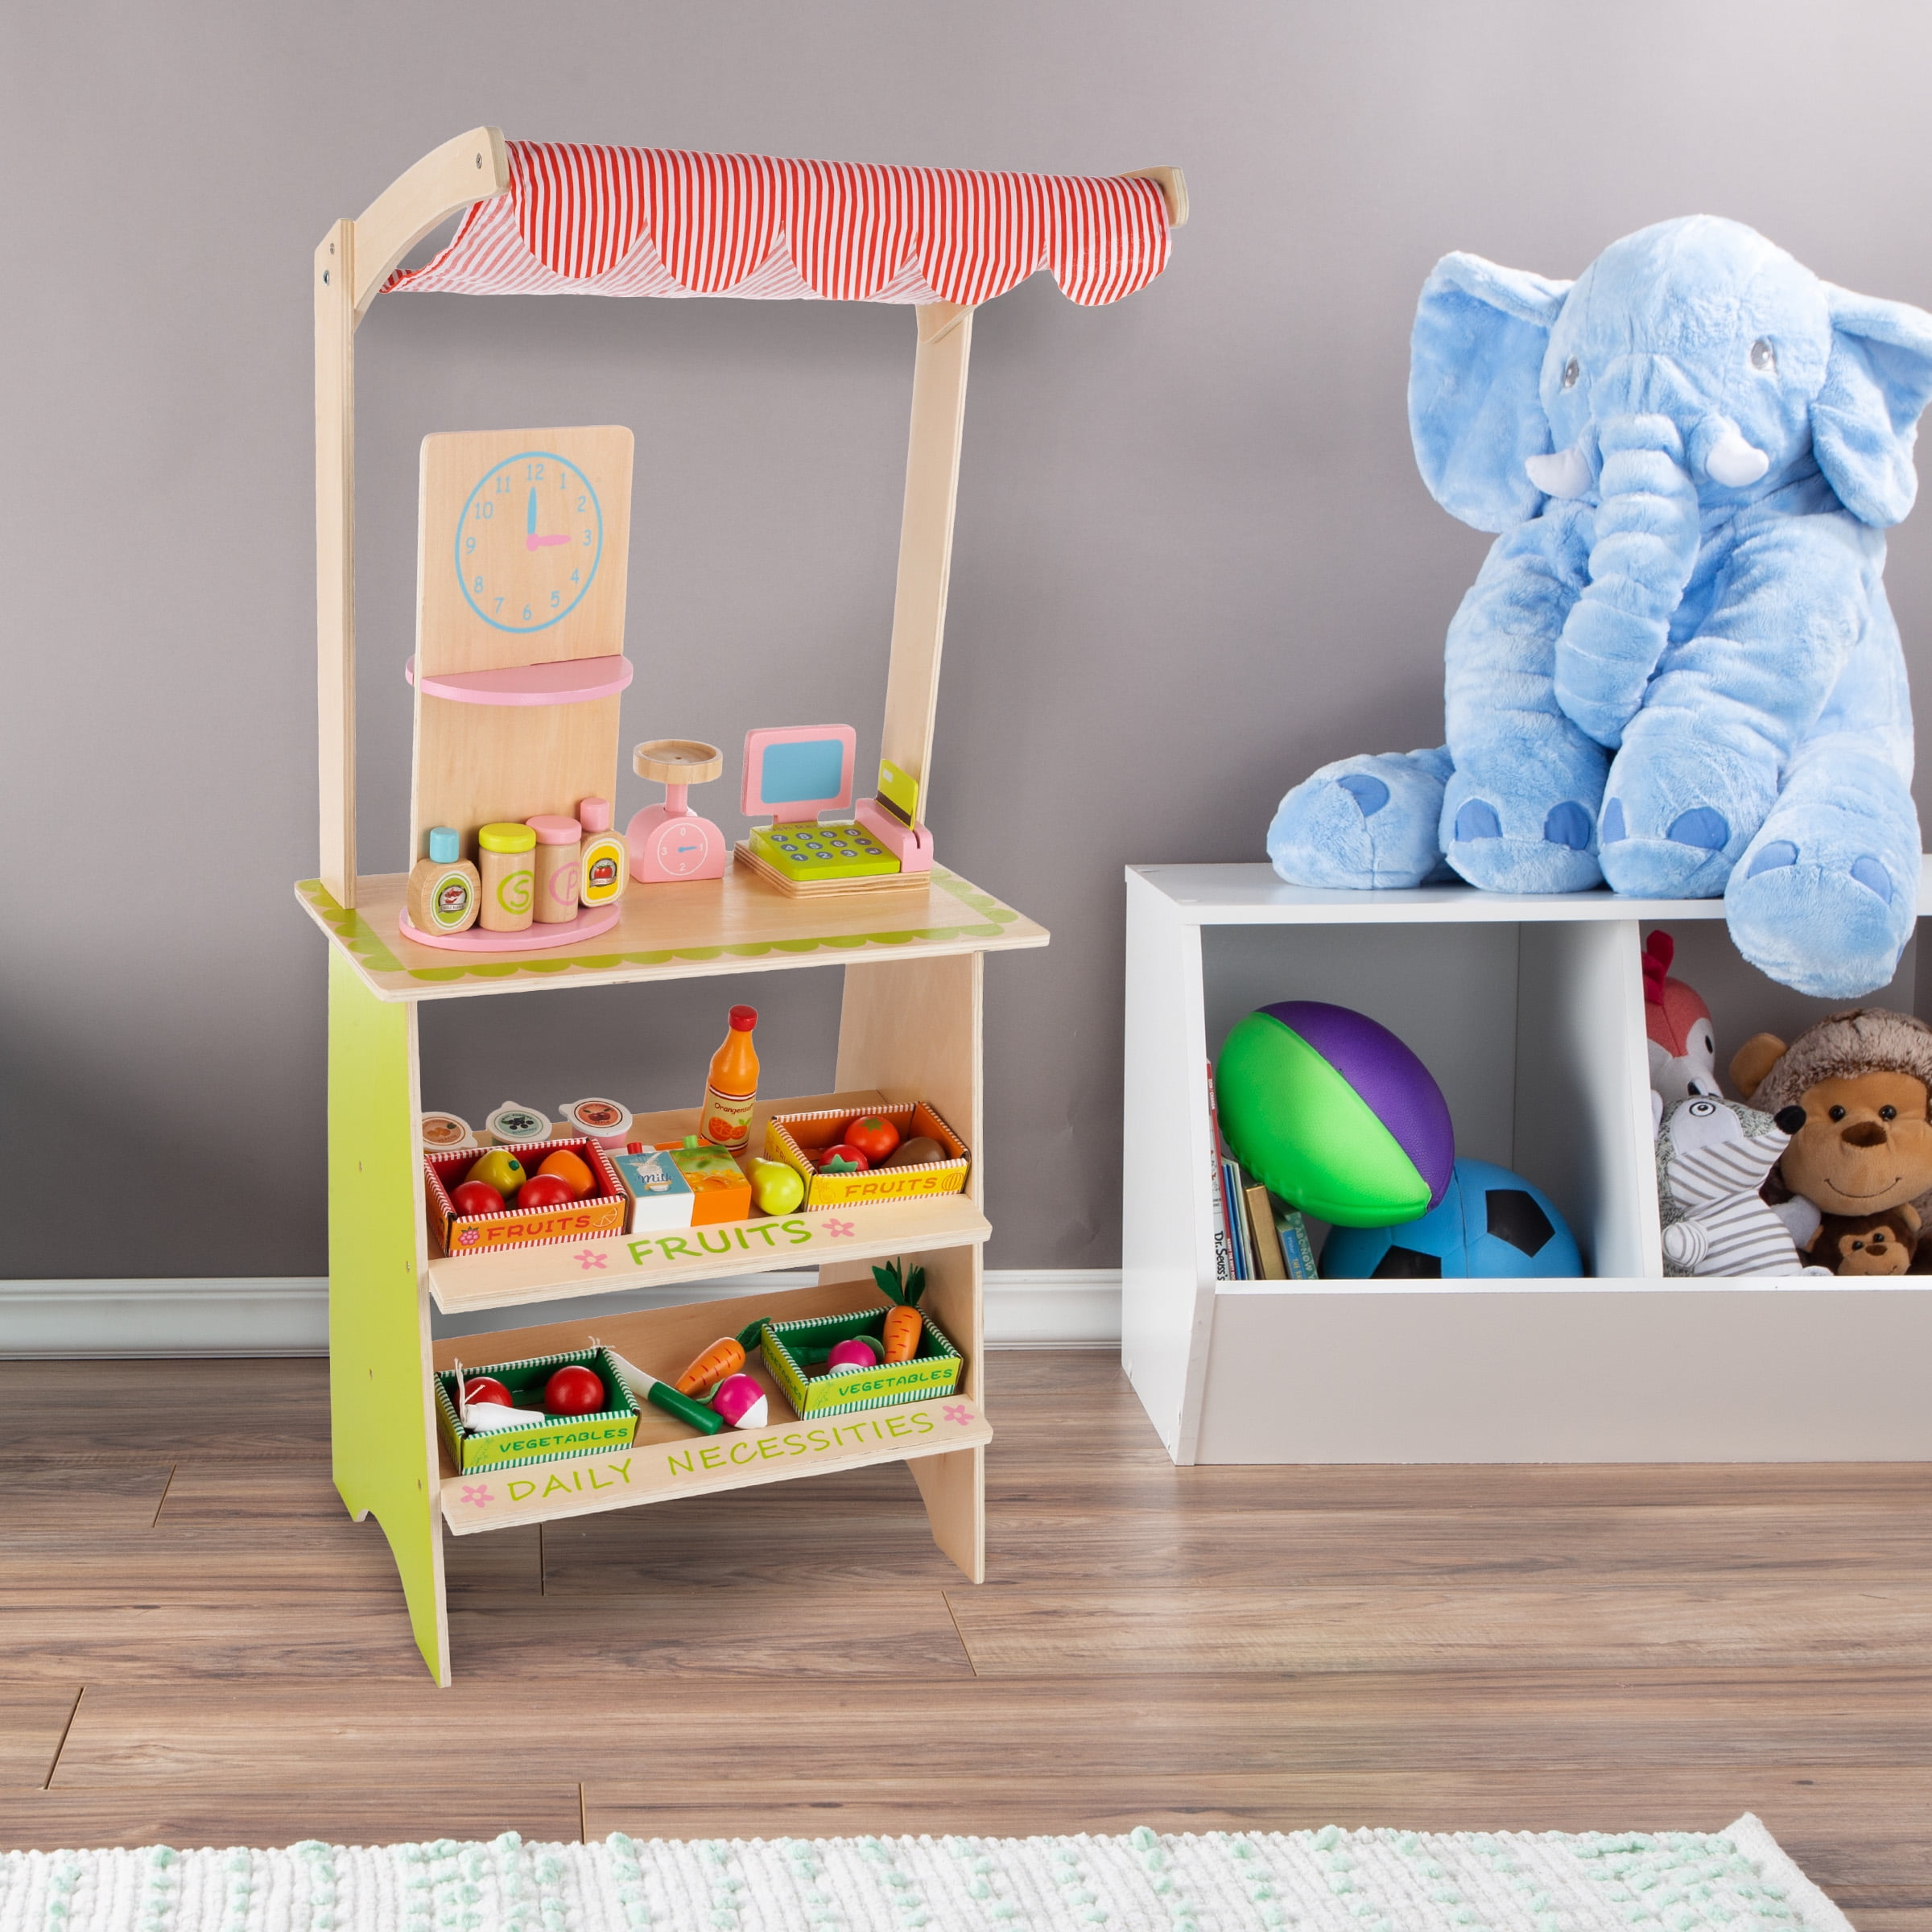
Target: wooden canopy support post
{"x": 336, "y": 556}
{"x": 354, "y": 260}
{"x": 932, "y": 483}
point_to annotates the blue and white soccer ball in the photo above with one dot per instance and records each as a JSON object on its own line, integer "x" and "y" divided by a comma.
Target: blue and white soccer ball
{"x": 1490, "y": 1223}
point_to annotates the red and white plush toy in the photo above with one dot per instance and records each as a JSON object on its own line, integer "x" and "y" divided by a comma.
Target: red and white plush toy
{"x": 1683, "y": 1043}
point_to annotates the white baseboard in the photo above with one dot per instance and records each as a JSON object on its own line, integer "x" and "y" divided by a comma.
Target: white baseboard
{"x": 288, "y": 1314}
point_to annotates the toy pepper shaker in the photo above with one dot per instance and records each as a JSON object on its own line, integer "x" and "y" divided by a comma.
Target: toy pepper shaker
{"x": 559, "y": 843}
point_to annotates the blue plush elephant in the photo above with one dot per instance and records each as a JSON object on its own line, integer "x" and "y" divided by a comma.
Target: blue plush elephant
{"x": 1677, "y": 672}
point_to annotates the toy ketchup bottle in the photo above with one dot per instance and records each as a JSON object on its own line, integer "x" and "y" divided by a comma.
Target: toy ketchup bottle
{"x": 732, "y": 1088}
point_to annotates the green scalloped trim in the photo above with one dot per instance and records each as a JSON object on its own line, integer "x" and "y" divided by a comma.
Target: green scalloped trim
{"x": 365, "y": 945}
{"x": 363, "y": 942}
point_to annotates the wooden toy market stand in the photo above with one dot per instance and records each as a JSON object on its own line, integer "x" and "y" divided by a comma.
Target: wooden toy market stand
{"x": 557, "y": 218}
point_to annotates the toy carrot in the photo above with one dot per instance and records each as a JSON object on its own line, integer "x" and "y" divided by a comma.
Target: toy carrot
{"x": 725, "y": 1356}
{"x": 903, "y": 1321}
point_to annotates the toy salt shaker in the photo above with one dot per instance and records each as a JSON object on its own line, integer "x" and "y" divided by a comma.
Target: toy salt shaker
{"x": 509, "y": 876}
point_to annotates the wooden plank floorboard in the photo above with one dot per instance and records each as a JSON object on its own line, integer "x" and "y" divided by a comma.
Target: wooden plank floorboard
{"x": 260, "y": 1813}
{"x": 34, "y": 1719}
{"x": 905, "y": 1636}
{"x": 74, "y": 1497}
{"x": 1840, "y": 1821}
{"x": 1622, "y": 1627}
{"x": 1177, "y": 1728}
{"x": 247, "y": 1563}
{"x": 243, "y": 1410}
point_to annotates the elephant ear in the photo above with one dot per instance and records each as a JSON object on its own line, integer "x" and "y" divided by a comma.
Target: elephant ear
{"x": 1878, "y": 378}
{"x": 1475, "y": 359}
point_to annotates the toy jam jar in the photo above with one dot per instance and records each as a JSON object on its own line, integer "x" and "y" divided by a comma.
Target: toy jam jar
{"x": 607, "y": 1122}
{"x": 509, "y": 876}
{"x": 445, "y": 1133}
{"x": 560, "y": 842}
{"x": 516, "y": 1125}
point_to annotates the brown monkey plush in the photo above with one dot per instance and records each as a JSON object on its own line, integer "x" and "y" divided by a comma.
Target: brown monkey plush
{"x": 1864, "y": 1080}
{"x": 1871, "y": 1244}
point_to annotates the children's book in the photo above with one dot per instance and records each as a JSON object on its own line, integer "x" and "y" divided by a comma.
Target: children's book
{"x": 1237, "y": 1210}
{"x": 1297, "y": 1251}
{"x": 1223, "y": 1241}
{"x": 1270, "y": 1266}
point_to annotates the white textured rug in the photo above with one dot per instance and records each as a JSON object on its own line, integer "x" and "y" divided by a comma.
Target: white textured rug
{"x": 1737, "y": 1881}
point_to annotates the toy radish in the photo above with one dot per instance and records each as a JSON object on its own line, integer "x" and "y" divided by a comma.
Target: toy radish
{"x": 742, "y": 1402}
{"x": 904, "y": 1323}
{"x": 855, "y": 1353}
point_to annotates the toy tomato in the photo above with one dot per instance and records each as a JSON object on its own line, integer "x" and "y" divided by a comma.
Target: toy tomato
{"x": 845, "y": 1158}
{"x": 475, "y": 1197}
{"x": 486, "y": 1389}
{"x": 574, "y": 1391}
{"x": 874, "y": 1138}
{"x": 546, "y": 1190}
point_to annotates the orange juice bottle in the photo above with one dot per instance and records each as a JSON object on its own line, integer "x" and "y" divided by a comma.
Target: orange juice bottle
{"x": 733, "y": 1085}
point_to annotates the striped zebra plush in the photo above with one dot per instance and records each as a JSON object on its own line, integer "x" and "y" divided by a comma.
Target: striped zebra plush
{"x": 1712, "y": 1157}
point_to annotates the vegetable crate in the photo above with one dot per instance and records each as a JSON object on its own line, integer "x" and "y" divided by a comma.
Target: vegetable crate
{"x": 556, "y": 1439}
{"x": 934, "y": 1370}
{"x": 795, "y": 1137}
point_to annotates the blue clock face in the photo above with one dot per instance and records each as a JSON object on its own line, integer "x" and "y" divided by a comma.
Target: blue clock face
{"x": 529, "y": 541}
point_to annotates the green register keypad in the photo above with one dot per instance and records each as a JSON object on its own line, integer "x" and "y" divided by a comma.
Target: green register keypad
{"x": 804, "y": 852}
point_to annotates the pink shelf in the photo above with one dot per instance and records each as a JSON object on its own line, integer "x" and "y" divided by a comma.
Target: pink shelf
{"x": 574, "y": 681}
{"x": 537, "y": 937}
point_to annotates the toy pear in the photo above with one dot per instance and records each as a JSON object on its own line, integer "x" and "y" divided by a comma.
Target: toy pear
{"x": 777, "y": 1188}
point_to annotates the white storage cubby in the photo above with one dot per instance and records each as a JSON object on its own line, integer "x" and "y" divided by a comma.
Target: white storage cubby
{"x": 1529, "y": 1011}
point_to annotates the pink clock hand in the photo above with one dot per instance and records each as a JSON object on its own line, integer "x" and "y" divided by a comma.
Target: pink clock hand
{"x": 531, "y": 540}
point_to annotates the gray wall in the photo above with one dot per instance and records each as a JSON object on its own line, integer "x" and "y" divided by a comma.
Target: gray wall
{"x": 1193, "y": 558}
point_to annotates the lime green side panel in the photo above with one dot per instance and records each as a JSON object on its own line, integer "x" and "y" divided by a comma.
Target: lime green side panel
{"x": 378, "y": 1370}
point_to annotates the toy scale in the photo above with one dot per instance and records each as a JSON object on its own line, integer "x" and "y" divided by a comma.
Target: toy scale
{"x": 669, "y": 842}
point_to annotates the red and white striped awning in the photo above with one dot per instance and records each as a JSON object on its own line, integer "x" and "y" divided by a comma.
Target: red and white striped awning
{"x": 660, "y": 221}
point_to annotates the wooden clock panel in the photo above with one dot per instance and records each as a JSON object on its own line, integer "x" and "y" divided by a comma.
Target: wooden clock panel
{"x": 532, "y": 590}
{"x": 523, "y": 544}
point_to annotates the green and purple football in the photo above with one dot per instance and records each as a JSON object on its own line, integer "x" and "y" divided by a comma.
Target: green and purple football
{"x": 1330, "y": 1111}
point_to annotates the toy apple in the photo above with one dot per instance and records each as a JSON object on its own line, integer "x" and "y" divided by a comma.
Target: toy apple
{"x": 574, "y": 1391}
{"x": 500, "y": 1169}
{"x": 546, "y": 1190}
{"x": 845, "y": 1158}
{"x": 475, "y": 1197}
{"x": 486, "y": 1389}
{"x": 570, "y": 1167}
{"x": 874, "y": 1136}
{"x": 777, "y": 1188}
{"x": 742, "y": 1402}
{"x": 847, "y": 1357}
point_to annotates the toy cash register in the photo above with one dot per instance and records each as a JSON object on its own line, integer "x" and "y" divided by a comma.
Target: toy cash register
{"x": 796, "y": 771}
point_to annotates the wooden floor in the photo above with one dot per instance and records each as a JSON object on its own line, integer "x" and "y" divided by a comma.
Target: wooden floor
{"x": 197, "y": 1646}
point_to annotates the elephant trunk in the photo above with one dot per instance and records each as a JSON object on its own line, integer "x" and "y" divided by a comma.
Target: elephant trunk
{"x": 1645, "y": 546}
